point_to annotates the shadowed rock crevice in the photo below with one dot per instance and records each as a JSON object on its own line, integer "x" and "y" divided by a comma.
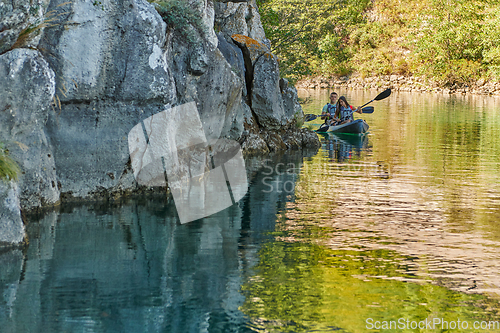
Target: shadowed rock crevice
{"x": 252, "y": 50}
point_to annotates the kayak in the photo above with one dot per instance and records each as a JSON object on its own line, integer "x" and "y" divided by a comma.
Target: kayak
{"x": 358, "y": 126}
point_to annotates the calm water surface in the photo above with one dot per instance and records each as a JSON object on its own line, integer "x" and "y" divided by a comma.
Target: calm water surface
{"x": 401, "y": 224}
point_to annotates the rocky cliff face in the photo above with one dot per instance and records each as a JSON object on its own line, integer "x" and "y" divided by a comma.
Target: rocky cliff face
{"x": 80, "y": 74}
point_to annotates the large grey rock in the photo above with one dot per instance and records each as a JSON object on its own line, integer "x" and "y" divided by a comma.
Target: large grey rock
{"x": 114, "y": 50}
{"x": 290, "y": 100}
{"x": 113, "y": 71}
{"x": 240, "y": 17}
{"x": 208, "y": 16}
{"x": 240, "y": 120}
{"x": 219, "y": 96}
{"x": 90, "y": 146}
{"x": 252, "y": 49}
{"x": 139, "y": 72}
{"x": 7, "y": 40}
{"x": 198, "y": 61}
{"x": 234, "y": 56}
{"x": 217, "y": 91}
{"x": 26, "y": 91}
{"x": 116, "y": 64}
{"x": 267, "y": 102}
{"x": 11, "y": 225}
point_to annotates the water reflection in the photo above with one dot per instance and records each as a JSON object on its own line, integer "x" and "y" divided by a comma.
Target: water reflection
{"x": 302, "y": 287}
{"x": 132, "y": 267}
{"x": 402, "y": 223}
{"x": 343, "y": 147}
{"x": 427, "y": 186}
{"x": 406, "y": 226}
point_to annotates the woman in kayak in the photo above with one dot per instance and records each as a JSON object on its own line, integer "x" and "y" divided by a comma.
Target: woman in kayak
{"x": 344, "y": 112}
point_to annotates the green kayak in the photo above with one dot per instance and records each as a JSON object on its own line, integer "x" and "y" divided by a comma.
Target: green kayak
{"x": 358, "y": 126}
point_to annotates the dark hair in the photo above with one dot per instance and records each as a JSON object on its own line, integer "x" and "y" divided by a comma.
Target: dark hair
{"x": 337, "y": 111}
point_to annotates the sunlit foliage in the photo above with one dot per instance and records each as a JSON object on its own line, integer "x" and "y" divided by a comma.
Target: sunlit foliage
{"x": 454, "y": 42}
{"x": 307, "y": 36}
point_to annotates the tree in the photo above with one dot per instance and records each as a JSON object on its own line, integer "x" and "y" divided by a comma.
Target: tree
{"x": 306, "y": 33}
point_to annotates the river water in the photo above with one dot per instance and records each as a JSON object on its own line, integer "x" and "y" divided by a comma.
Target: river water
{"x": 397, "y": 228}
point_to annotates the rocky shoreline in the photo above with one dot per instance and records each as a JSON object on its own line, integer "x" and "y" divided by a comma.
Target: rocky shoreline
{"x": 72, "y": 107}
{"x": 399, "y": 83}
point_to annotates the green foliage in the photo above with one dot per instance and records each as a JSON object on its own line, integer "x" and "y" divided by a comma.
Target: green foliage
{"x": 298, "y": 118}
{"x": 182, "y": 17}
{"x": 8, "y": 167}
{"x": 452, "y": 41}
{"x": 333, "y": 55}
{"x": 307, "y": 35}
{"x": 491, "y": 44}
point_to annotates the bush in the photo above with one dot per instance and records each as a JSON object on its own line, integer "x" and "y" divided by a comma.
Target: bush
{"x": 460, "y": 72}
{"x": 180, "y": 16}
{"x": 333, "y": 56}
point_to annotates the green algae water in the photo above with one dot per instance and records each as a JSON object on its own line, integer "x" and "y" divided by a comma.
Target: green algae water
{"x": 396, "y": 231}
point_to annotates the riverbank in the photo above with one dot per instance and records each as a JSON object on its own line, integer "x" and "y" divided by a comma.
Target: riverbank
{"x": 399, "y": 83}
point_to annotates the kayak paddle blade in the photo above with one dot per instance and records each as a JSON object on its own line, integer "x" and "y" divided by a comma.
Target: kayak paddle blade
{"x": 384, "y": 94}
{"x": 368, "y": 109}
{"x": 323, "y": 128}
{"x": 310, "y": 117}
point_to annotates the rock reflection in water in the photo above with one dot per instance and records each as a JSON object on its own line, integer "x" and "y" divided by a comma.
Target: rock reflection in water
{"x": 134, "y": 268}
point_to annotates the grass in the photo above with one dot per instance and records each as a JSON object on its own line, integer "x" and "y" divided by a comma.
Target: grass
{"x": 9, "y": 170}
{"x": 299, "y": 119}
{"x": 50, "y": 19}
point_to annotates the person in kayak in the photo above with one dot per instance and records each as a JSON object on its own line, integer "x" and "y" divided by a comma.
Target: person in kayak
{"x": 344, "y": 112}
{"x": 330, "y": 108}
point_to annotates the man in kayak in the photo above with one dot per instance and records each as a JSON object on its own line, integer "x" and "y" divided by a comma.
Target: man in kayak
{"x": 343, "y": 112}
{"x": 330, "y": 108}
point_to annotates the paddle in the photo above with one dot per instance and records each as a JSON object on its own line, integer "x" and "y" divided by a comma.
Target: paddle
{"x": 384, "y": 94}
{"x": 310, "y": 117}
{"x": 323, "y": 128}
